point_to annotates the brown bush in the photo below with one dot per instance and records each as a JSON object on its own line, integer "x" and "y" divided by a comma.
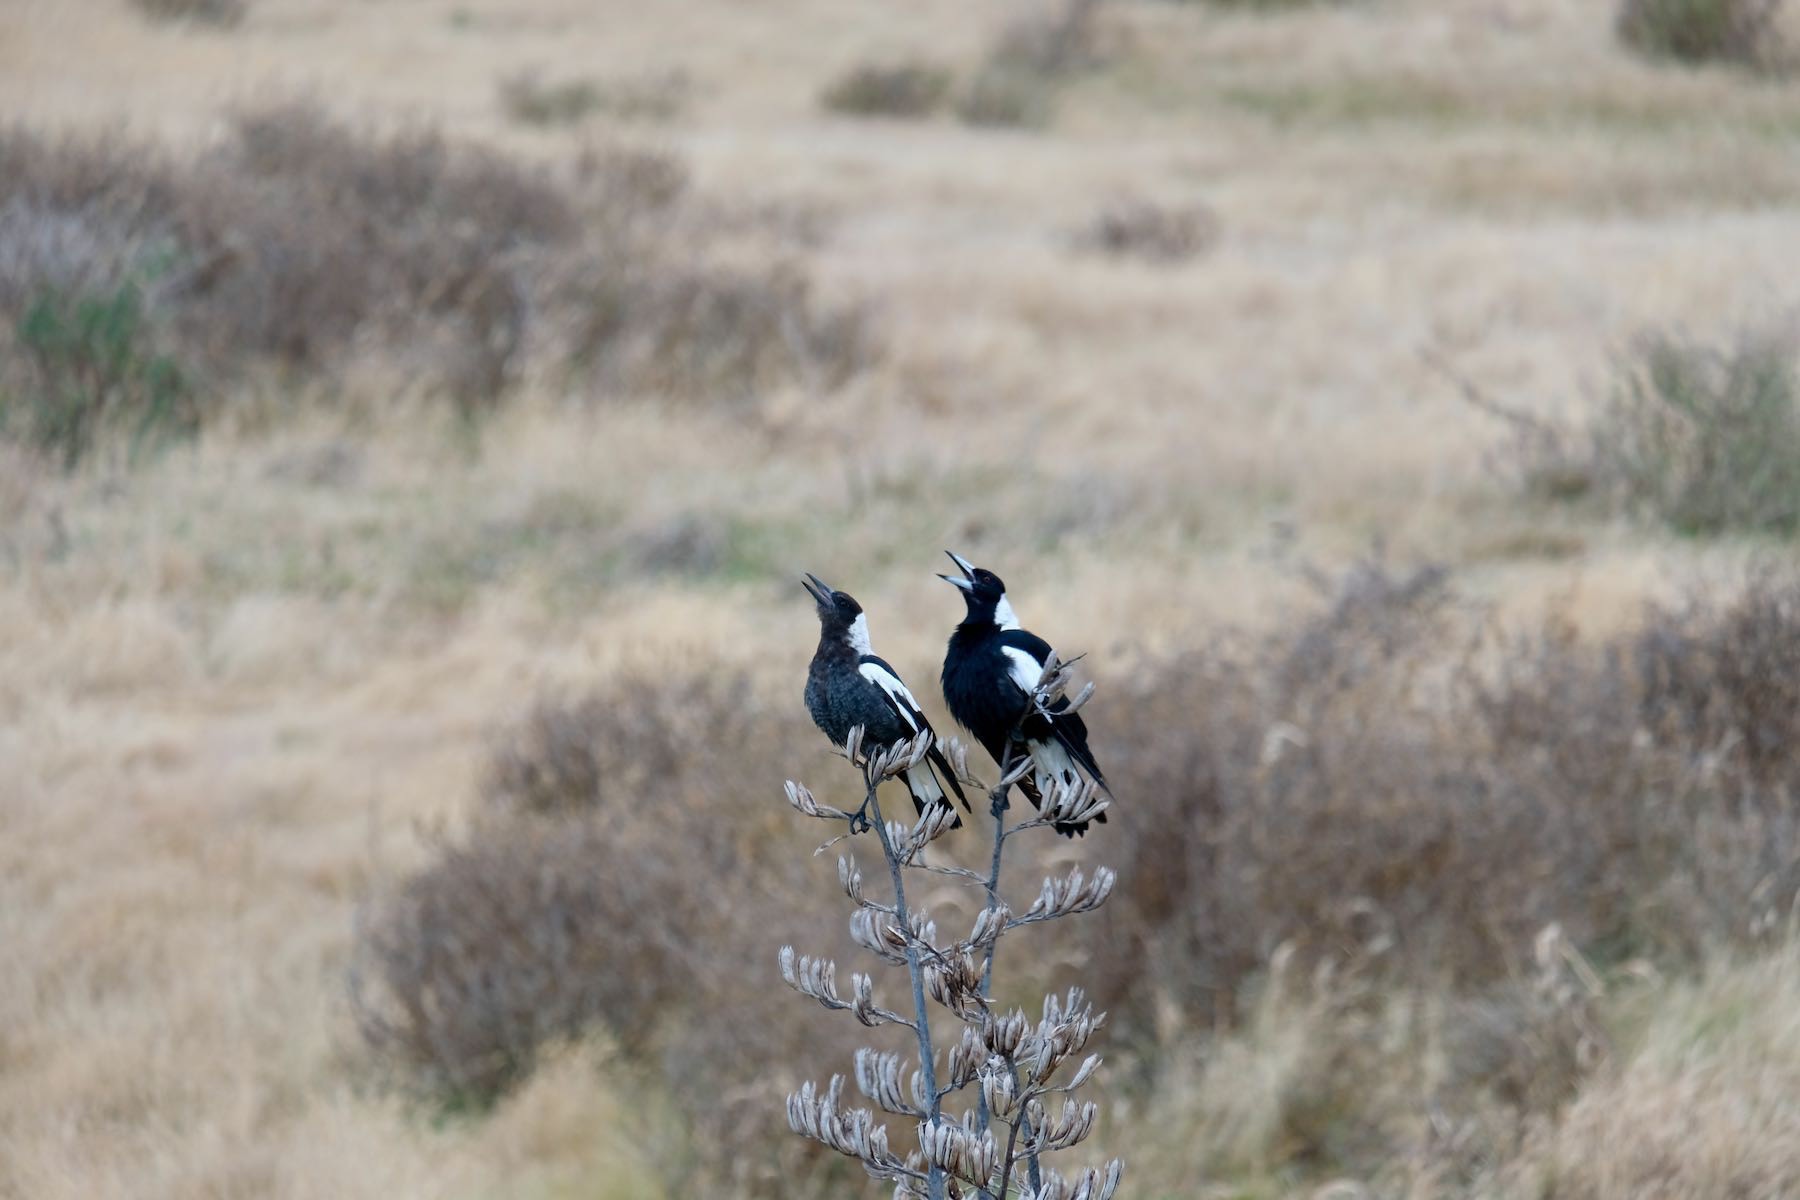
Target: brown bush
{"x": 1156, "y": 233}
{"x": 907, "y": 89}
{"x": 617, "y": 877}
{"x": 300, "y": 243}
{"x": 1391, "y": 772}
{"x": 1697, "y": 31}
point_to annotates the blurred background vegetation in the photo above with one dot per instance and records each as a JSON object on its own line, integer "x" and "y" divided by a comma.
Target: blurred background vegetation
{"x": 415, "y": 415}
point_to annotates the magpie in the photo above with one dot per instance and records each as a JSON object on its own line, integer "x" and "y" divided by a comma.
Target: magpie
{"x": 848, "y": 686}
{"x": 991, "y": 669}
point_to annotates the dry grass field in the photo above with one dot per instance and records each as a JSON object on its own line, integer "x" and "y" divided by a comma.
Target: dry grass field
{"x": 252, "y": 680}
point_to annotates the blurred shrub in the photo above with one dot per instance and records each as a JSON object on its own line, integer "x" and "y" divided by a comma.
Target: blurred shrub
{"x": 1140, "y": 229}
{"x": 522, "y": 933}
{"x": 1704, "y": 440}
{"x": 1270, "y": 5}
{"x": 999, "y": 96}
{"x": 1698, "y": 31}
{"x": 1388, "y": 774}
{"x": 299, "y": 244}
{"x": 1049, "y": 38}
{"x": 206, "y": 12}
{"x": 86, "y": 363}
{"x": 908, "y": 89}
{"x": 528, "y": 98}
{"x": 617, "y": 876}
{"x": 1707, "y": 440}
{"x": 1030, "y": 58}
{"x": 710, "y": 329}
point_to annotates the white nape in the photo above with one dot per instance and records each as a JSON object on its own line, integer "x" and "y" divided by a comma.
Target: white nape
{"x": 859, "y": 634}
{"x": 1004, "y": 616}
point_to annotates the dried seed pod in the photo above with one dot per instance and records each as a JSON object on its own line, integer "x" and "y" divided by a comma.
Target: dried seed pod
{"x": 989, "y": 923}
{"x": 875, "y": 931}
{"x": 1084, "y": 1072}
{"x": 862, "y": 1000}
{"x": 937, "y": 820}
{"x": 815, "y": 977}
{"x": 1070, "y": 1127}
{"x": 1001, "y": 1094}
{"x": 850, "y": 877}
{"x": 802, "y": 800}
{"x": 1003, "y": 1034}
{"x": 1074, "y": 893}
{"x": 957, "y": 755}
{"x": 878, "y": 1078}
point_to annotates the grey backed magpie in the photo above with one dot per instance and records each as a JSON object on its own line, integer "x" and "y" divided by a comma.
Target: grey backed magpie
{"x": 848, "y": 686}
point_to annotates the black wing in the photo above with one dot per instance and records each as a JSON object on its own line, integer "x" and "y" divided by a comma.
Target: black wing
{"x": 1068, "y": 728}
{"x": 902, "y": 701}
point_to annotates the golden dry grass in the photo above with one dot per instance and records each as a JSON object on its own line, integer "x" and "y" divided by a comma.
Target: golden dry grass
{"x": 232, "y": 682}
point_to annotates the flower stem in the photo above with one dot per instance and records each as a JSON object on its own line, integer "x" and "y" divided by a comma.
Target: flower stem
{"x": 927, "y": 1058}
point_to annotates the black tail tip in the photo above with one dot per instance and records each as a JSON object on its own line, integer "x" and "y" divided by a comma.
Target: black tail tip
{"x": 1075, "y": 829}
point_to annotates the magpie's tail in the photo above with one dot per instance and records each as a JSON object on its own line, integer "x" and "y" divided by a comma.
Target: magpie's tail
{"x": 941, "y": 765}
{"x": 1070, "y": 732}
{"x": 922, "y": 783}
{"x": 1052, "y": 761}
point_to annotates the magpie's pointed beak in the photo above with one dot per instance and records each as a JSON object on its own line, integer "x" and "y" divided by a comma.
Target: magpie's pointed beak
{"x": 817, "y": 588}
{"x": 967, "y": 582}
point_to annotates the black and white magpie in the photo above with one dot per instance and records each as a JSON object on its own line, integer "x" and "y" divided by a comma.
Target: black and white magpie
{"x": 848, "y": 686}
{"x": 991, "y": 668}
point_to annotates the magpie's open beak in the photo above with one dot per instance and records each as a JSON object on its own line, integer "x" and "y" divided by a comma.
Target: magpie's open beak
{"x": 967, "y": 582}
{"x": 817, "y": 588}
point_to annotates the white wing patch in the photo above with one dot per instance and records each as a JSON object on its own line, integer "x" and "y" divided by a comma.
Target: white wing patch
{"x": 890, "y": 683}
{"x": 1024, "y": 669}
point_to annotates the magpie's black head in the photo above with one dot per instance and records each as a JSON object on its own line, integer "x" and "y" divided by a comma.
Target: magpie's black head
{"x": 838, "y": 611}
{"x": 982, "y": 590}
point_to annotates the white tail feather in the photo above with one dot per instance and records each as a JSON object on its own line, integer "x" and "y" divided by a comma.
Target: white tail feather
{"x": 923, "y": 783}
{"x": 1052, "y": 762}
